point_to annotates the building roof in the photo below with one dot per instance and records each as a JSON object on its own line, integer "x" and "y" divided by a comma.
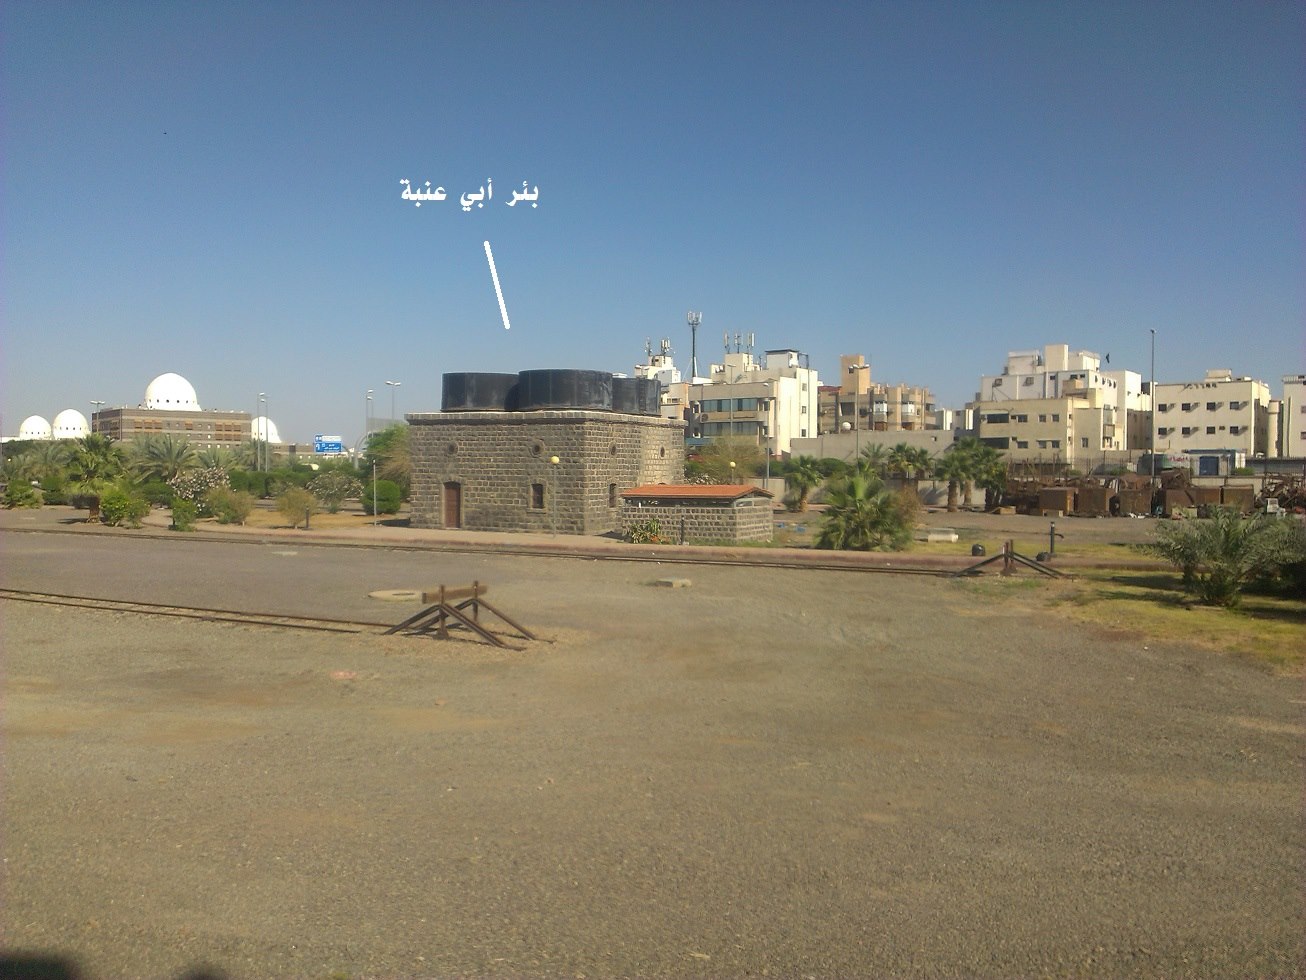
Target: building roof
{"x": 695, "y": 491}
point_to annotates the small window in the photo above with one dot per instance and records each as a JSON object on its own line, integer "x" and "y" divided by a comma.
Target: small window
{"x": 1028, "y": 381}
{"x": 1083, "y": 442}
{"x": 537, "y": 496}
{"x": 1056, "y": 418}
{"x": 1022, "y": 443}
{"x": 1056, "y": 443}
{"x": 1211, "y": 406}
{"x": 1043, "y": 418}
{"x": 1210, "y": 430}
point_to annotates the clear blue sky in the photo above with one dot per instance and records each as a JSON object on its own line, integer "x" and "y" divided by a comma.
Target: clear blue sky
{"x": 213, "y": 189}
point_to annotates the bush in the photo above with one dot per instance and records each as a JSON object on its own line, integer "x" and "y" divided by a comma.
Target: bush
{"x": 184, "y": 513}
{"x": 158, "y": 493}
{"x": 54, "y": 489}
{"x": 230, "y": 506}
{"x": 645, "y": 532}
{"x": 21, "y": 494}
{"x": 296, "y": 505}
{"x": 388, "y": 496}
{"x": 861, "y": 515}
{"x": 119, "y": 507}
{"x": 1220, "y": 555}
{"x": 196, "y": 485}
{"x": 333, "y": 488}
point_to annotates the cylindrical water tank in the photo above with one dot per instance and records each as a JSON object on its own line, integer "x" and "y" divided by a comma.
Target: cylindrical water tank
{"x": 636, "y": 396}
{"x": 560, "y": 389}
{"x": 469, "y": 391}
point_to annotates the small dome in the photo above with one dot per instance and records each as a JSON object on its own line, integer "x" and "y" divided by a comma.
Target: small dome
{"x": 171, "y": 392}
{"x": 70, "y": 424}
{"x": 34, "y": 427}
{"x": 265, "y": 430}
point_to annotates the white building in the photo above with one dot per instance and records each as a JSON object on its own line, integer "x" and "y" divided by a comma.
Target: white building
{"x": 1292, "y": 417}
{"x": 1219, "y": 414}
{"x": 1057, "y": 372}
{"x": 1058, "y": 407}
{"x": 773, "y": 401}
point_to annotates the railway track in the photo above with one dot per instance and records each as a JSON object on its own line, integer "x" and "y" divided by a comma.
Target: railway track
{"x": 239, "y": 616}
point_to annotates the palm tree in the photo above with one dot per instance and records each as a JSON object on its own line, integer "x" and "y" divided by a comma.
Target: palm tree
{"x": 216, "y": 457}
{"x": 954, "y": 467}
{"x": 95, "y": 464}
{"x": 874, "y": 460}
{"x": 861, "y": 514}
{"x": 803, "y": 477}
{"x": 389, "y": 449}
{"x": 162, "y": 457}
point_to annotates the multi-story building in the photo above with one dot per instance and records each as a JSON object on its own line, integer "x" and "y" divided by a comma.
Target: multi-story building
{"x": 1059, "y": 407}
{"x": 771, "y": 402}
{"x": 1219, "y": 414}
{"x": 171, "y": 408}
{"x": 858, "y": 403}
{"x": 1292, "y": 417}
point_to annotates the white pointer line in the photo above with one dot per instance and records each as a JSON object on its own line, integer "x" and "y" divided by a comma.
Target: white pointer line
{"x": 494, "y": 274}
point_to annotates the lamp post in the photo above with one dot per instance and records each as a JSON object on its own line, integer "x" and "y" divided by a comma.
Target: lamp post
{"x": 553, "y": 495}
{"x": 732, "y": 472}
{"x": 394, "y": 387}
{"x": 374, "y": 515}
{"x": 367, "y": 413}
{"x": 260, "y": 451}
{"x": 95, "y": 410}
{"x": 1152, "y": 388}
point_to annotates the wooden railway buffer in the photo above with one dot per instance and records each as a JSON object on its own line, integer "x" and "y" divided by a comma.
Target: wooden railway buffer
{"x": 459, "y": 606}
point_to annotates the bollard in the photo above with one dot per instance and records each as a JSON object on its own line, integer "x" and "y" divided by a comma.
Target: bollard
{"x": 977, "y": 550}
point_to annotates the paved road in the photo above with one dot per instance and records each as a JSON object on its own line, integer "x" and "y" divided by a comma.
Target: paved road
{"x": 773, "y": 772}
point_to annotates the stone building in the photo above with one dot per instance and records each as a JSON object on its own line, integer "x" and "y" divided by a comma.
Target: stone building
{"x": 507, "y": 464}
{"x": 689, "y": 513}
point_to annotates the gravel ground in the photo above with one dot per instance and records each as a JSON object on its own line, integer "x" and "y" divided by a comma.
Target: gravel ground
{"x": 772, "y": 772}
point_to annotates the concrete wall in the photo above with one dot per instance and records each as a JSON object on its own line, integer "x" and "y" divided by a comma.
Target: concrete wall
{"x": 497, "y": 457}
{"x": 746, "y": 519}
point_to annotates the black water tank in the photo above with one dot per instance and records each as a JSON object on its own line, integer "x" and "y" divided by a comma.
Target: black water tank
{"x": 625, "y": 397}
{"x": 559, "y": 389}
{"x": 648, "y": 396}
{"x": 478, "y": 392}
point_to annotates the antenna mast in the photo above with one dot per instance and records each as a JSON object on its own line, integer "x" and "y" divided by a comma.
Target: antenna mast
{"x": 694, "y": 320}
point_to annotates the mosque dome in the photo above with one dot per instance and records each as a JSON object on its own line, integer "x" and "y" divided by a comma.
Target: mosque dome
{"x": 34, "y": 427}
{"x": 70, "y": 424}
{"x": 265, "y": 430}
{"x": 171, "y": 392}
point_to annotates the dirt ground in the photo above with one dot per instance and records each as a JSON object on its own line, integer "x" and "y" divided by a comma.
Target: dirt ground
{"x": 779, "y": 772}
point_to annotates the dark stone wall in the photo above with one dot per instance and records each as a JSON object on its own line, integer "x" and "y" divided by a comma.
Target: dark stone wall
{"x": 497, "y": 456}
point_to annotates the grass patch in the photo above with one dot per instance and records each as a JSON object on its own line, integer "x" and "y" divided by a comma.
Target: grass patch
{"x": 1266, "y": 630}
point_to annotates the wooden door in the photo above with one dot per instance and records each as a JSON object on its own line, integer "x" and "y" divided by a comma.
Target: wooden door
{"x": 453, "y": 505}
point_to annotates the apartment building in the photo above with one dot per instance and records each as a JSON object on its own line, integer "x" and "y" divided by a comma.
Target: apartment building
{"x": 1292, "y": 417}
{"x": 1219, "y": 414}
{"x": 771, "y": 401}
{"x": 859, "y": 404}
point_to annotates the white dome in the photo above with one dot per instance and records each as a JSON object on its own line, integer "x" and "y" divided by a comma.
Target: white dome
{"x": 70, "y": 424}
{"x": 265, "y": 430}
{"x": 34, "y": 427}
{"x": 171, "y": 392}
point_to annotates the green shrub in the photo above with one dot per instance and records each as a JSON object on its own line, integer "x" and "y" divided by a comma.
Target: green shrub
{"x": 21, "y": 494}
{"x": 647, "y": 531}
{"x": 120, "y": 507}
{"x": 230, "y": 506}
{"x": 296, "y": 505}
{"x": 158, "y": 493}
{"x": 54, "y": 489}
{"x": 1220, "y": 555}
{"x": 388, "y": 497}
{"x": 184, "y": 513}
{"x": 335, "y": 487}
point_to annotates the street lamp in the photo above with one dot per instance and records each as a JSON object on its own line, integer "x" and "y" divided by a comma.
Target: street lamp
{"x": 553, "y": 494}
{"x": 367, "y": 413}
{"x": 1152, "y": 389}
{"x": 261, "y": 412}
{"x": 732, "y": 471}
{"x": 393, "y": 386}
{"x": 95, "y": 410}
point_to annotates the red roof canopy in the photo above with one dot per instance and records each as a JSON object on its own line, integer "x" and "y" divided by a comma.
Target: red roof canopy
{"x": 694, "y": 491}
